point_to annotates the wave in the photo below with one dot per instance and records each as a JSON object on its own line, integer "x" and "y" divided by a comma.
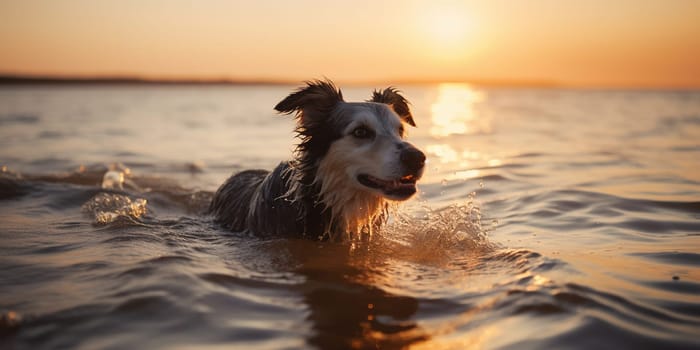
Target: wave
{"x": 585, "y": 210}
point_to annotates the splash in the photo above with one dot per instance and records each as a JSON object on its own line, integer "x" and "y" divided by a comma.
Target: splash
{"x": 441, "y": 234}
{"x": 117, "y": 176}
{"x": 106, "y": 208}
{"x": 113, "y": 179}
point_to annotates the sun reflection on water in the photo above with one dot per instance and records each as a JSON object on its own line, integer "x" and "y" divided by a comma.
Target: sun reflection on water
{"x": 454, "y": 111}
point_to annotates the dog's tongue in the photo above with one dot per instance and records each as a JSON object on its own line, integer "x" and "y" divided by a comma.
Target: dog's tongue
{"x": 396, "y": 184}
{"x": 393, "y": 185}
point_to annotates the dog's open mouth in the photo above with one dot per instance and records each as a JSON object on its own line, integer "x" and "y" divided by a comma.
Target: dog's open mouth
{"x": 399, "y": 189}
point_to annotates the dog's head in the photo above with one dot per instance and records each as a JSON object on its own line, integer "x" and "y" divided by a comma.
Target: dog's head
{"x": 354, "y": 149}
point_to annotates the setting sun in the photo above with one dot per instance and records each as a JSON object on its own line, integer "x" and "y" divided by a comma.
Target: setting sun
{"x": 447, "y": 33}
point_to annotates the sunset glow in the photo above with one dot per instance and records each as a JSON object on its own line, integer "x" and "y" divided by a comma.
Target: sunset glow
{"x": 572, "y": 43}
{"x": 448, "y": 33}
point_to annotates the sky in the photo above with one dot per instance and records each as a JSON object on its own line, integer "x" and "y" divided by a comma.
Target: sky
{"x": 626, "y": 43}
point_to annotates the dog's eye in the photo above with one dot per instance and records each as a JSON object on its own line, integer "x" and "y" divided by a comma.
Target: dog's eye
{"x": 362, "y": 132}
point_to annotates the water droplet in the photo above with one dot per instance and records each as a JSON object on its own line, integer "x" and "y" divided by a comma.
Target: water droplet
{"x": 113, "y": 179}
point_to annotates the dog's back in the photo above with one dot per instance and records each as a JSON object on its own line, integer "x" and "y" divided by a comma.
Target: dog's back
{"x": 231, "y": 202}
{"x": 256, "y": 200}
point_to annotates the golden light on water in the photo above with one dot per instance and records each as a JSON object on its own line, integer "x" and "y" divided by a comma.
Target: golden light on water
{"x": 444, "y": 152}
{"x": 453, "y": 112}
{"x": 465, "y": 174}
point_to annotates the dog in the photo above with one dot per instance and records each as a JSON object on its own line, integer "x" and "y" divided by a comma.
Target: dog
{"x": 351, "y": 161}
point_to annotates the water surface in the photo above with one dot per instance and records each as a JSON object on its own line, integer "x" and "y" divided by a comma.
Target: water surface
{"x": 547, "y": 219}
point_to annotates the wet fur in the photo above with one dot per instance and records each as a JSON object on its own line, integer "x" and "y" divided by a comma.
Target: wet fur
{"x": 312, "y": 195}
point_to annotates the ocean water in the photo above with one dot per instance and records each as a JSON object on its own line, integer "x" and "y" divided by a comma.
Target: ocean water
{"x": 547, "y": 219}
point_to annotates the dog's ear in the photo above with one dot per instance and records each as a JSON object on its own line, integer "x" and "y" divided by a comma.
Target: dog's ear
{"x": 316, "y": 99}
{"x": 398, "y": 103}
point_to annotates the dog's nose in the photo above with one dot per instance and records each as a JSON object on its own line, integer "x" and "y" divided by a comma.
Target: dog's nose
{"x": 412, "y": 159}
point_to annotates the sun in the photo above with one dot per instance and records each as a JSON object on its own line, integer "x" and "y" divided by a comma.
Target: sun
{"x": 447, "y": 32}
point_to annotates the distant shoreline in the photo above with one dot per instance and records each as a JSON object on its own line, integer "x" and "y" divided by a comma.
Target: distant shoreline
{"x": 50, "y": 80}
{"x": 12, "y": 79}
{"x": 59, "y": 80}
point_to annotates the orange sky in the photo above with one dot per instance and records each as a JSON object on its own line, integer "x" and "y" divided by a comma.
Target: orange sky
{"x": 649, "y": 43}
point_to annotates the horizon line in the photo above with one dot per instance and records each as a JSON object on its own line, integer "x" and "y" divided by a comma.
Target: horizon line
{"x": 127, "y": 79}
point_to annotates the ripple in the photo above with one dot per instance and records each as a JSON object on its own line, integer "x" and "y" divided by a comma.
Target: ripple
{"x": 680, "y": 286}
{"x": 594, "y": 332}
{"x": 167, "y": 259}
{"x": 12, "y": 186}
{"x": 90, "y": 266}
{"x": 57, "y": 248}
{"x": 609, "y": 313}
{"x": 591, "y": 211}
{"x": 19, "y": 119}
{"x": 659, "y": 227}
{"x": 529, "y": 155}
{"x": 50, "y": 134}
{"x": 229, "y": 281}
{"x": 676, "y": 258}
{"x": 140, "y": 271}
{"x": 622, "y": 307}
{"x": 132, "y": 237}
{"x": 144, "y": 304}
{"x": 514, "y": 255}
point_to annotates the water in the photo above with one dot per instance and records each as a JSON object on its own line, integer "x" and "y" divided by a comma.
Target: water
{"x": 546, "y": 219}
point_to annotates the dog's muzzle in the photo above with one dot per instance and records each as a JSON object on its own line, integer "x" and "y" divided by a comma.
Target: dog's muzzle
{"x": 412, "y": 160}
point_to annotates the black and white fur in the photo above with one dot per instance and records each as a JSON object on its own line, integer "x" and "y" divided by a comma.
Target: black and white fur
{"x": 351, "y": 159}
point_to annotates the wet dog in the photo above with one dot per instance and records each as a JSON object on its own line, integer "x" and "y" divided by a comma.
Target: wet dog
{"x": 351, "y": 160}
